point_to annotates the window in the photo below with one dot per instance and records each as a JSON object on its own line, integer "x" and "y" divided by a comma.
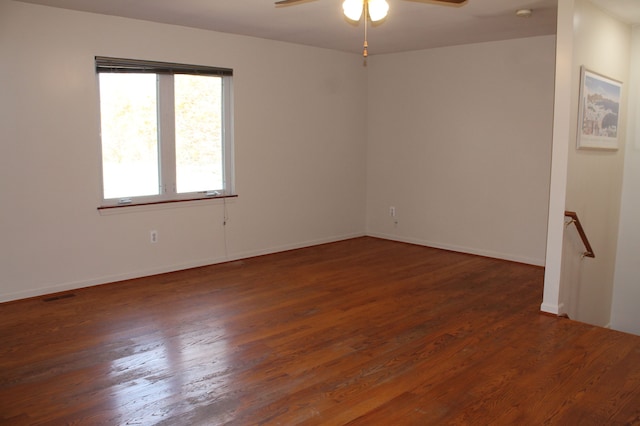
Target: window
{"x": 166, "y": 131}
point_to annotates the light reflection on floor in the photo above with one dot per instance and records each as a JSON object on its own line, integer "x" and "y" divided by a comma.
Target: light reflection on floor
{"x": 153, "y": 382}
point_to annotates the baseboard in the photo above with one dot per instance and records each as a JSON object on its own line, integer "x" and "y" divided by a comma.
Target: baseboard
{"x": 261, "y": 252}
{"x": 460, "y": 249}
{"x": 105, "y": 280}
{"x": 552, "y": 309}
{"x": 286, "y": 247}
{"x": 56, "y": 288}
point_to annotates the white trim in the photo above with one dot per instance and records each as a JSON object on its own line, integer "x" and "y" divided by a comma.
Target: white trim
{"x": 106, "y": 279}
{"x": 228, "y": 137}
{"x": 461, "y": 249}
{"x": 261, "y": 252}
{"x": 55, "y": 288}
{"x": 286, "y": 247}
{"x": 166, "y": 111}
{"x": 552, "y": 309}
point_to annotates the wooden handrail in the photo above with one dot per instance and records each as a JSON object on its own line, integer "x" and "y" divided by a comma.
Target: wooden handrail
{"x": 583, "y": 235}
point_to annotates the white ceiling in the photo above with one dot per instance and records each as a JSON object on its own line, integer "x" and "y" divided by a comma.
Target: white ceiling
{"x": 411, "y": 24}
{"x": 626, "y": 10}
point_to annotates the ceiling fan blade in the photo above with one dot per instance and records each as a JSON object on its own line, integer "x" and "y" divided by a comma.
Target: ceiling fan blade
{"x": 442, "y": 2}
{"x": 286, "y": 2}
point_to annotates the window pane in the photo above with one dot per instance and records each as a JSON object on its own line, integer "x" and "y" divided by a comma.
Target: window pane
{"x": 198, "y": 112}
{"x": 129, "y": 134}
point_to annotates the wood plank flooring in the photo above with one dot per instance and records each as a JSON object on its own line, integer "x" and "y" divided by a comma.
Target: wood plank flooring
{"x": 359, "y": 332}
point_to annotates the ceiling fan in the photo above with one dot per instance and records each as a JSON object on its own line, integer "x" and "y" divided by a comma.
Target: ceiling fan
{"x": 376, "y": 10}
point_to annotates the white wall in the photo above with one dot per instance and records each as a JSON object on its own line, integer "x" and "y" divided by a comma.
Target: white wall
{"x": 625, "y": 315}
{"x": 300, "y": 115}
{"x": 459, "y": 141}
{"x": 594, "y": 177}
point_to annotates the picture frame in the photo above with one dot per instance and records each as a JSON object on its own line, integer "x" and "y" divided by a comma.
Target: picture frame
{"x": 599, "y": 111}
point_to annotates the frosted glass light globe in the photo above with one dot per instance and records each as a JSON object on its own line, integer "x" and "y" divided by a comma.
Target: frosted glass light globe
{"x": 353, "y": 9}
{"x": 378, "y": 9}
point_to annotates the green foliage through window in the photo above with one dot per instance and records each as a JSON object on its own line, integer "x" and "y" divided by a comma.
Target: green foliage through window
{"x": 164, "y": 135}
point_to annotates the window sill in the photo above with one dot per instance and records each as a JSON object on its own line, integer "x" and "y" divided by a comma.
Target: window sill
{"x": 155, "y": 205}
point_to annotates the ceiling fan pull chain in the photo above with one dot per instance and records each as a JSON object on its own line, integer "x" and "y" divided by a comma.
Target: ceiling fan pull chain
{"x": 365, "y": 52}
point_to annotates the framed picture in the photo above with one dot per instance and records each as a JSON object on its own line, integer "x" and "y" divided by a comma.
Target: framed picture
{"x": 599, "y": 111}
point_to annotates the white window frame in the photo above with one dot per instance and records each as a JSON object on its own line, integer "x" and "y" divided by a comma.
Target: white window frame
{"x": 166, "y": 130}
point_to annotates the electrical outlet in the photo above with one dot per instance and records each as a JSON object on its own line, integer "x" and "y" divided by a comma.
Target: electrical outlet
{"x": 392, "y": 211}
{"x": 153, "y": 236}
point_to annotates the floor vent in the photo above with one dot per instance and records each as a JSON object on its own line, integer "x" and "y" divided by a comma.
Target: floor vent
{"x": 62, "y": 296}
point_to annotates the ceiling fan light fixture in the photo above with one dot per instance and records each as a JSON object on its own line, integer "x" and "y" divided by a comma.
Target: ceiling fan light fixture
{"x": 377, "y": 9}
{"x": 353, "y": 9}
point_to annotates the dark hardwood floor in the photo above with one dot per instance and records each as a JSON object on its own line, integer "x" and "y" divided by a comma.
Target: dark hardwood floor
{"x": 362, "y": 332}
